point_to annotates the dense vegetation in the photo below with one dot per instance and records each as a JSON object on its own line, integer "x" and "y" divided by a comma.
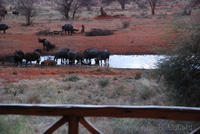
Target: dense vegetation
{"x": 181, "y": 69}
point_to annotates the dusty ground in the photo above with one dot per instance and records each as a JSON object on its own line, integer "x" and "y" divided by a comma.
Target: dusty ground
{"x": 143, "y": 35}
{"x": 14, "y": 74}
{"x": 136, "y": 39}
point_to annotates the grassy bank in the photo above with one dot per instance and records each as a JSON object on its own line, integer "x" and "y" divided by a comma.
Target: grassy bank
{"x": 97, "y": 90}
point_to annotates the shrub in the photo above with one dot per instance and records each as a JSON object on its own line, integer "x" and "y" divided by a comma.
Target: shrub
{"x": 125, "y": 24}
{"x": 99, "y": 32}
{"x": 181, "y": 71}
{"x": 72, "y": 78}
{"x": 103, "y": 83}
{"x": 138, "y": 76}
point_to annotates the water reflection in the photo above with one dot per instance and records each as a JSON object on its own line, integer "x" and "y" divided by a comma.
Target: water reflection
{"x": 126, "y": 61}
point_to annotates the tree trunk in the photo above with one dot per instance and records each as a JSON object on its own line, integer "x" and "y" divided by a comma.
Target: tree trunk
{"x": 103, "y": 13}
{"x": 67, "y": 15}
{"x": 73, "y": 15}
{"x": 153, "y": 6}
{"x": 153, "y": 10}
{"x": 122, "y": 6}
{"x": 28, "y": 20}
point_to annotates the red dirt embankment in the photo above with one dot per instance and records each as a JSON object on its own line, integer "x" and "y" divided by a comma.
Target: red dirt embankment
{"x": 14, "y": 74}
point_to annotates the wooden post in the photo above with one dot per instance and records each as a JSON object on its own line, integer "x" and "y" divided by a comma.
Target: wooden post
{"x": 73, "y": 125}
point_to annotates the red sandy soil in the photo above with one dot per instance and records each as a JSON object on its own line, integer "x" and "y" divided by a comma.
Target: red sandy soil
{"x": 145, "y": 38}
{"x": 14, "y": 74}
{"x": 137, "y": 39}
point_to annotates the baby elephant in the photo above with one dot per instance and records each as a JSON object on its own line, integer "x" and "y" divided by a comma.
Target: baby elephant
{"x": 3, "y": 27}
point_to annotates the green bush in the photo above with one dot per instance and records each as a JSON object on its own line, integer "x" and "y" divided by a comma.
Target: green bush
{"x": 72, "y": 78}
{"x": 103, "y": 83}
{"x": 181, "y": 71}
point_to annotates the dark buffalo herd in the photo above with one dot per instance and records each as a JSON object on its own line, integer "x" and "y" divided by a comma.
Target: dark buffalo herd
{"x": 66, "y": 55}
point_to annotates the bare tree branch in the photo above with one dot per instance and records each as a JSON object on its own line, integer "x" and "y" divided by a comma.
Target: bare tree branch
{"x": 26, "y": 8}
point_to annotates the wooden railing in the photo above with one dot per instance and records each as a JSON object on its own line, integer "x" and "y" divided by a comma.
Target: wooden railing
{"x": 73, "y": 114}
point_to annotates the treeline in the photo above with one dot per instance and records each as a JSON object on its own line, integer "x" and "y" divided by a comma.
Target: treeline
{"x": 70, "y": 8}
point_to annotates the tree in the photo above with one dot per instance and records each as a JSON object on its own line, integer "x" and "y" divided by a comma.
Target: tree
{"x": 26, "y": 8}
{"x": 3, "y": 10}
{"x": 152, "y": 4}
{"x": 181, "y": 69}
{"x": 121, "y": 2}
{"x": 67, "y": 7}
{"x": 64, "y": 7}
{"x": 188, "y": 8}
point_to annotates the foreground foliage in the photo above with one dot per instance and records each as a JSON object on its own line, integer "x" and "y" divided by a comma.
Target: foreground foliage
{"x": 181, "y": 70}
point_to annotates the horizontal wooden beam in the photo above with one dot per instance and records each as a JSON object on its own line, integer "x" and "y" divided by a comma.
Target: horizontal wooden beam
{"x": 154, "y": 112}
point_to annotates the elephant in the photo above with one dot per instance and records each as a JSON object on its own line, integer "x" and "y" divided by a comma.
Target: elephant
{"x": 46, "y": 44}
{"x": 62, "y": 54}
{"x": 3, "y": 27}
{"x": 89, "y": 54}
{"x": 18, "y": 57}
{"x": 69, "y": 28}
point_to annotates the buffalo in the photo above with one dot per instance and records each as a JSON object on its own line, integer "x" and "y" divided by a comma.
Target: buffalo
{"x": 18, "y": 57}
{"x": 103, "y": 56}
{"x": 61, "y": 54}
{"x": 74, "y": 55}
{"x": 34, "y": 56}
{"x": 15, "y": 13}
{"x": 46, "y": 44}
{"x": 3, "y": 27}
{"x": 38, "y": 50}
{"x": 7, "y": 58}
{"x": 69, "y": 28}
{"x": 89, "y": 54}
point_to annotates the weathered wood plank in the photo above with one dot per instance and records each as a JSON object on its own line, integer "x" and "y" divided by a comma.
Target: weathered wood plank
{"x": 154, "y": 112}
{"x": 196, "y": 131}
{"x": 89, "y": 126}
{"x": 58, "y": 124}
{"x": 73, "y": 125}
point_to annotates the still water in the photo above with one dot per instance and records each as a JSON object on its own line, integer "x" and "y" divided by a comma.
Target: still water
{"x": 126, "y": 61}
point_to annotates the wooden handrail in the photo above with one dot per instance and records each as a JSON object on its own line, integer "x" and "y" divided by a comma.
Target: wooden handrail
{"x": 154, "y": 112}
{"x": 73, "y": 114}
